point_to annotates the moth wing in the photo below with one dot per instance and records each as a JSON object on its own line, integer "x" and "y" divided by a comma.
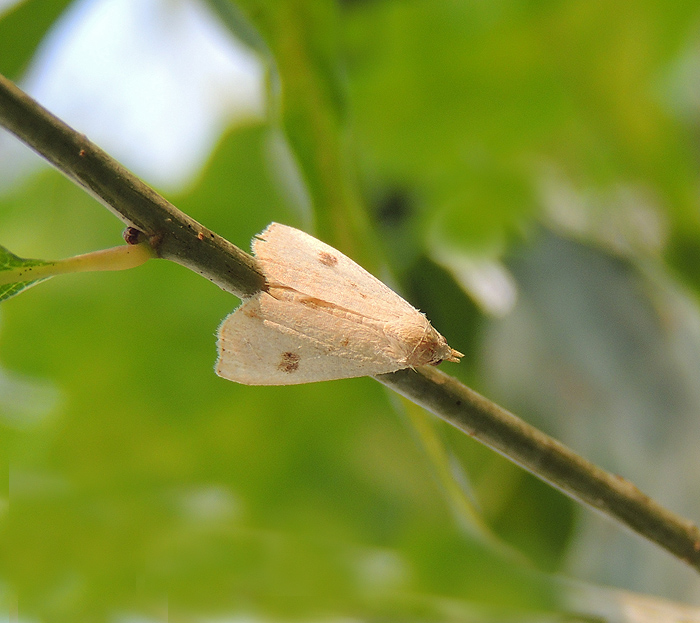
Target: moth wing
{"x": 268, "y": 342}
{"x": 294, "y": 259}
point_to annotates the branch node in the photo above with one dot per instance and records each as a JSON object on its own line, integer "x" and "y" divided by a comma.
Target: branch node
{"x": 132, "y": 235}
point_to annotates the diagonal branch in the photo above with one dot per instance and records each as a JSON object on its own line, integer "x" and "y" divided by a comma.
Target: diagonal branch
{"x": 177, "y": 237}
{"x": 547, "y": 458}
{"x": 174, "y": 235}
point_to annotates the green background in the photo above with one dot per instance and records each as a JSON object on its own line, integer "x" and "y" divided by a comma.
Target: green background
{"x": 140, "y": 483}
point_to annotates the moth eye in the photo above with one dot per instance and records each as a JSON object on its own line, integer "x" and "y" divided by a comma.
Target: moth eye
{"x": 437, "y": 359}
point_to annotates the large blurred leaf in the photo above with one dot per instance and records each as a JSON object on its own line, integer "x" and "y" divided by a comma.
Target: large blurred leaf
{"x": 614, "y": 372}
{"x": 22, "y": 29}
{"x": 464, "y": 102}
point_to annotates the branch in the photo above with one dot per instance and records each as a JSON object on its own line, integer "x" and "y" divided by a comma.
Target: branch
{"x": 177, "y": 237}
{"x": 174, "y": 235}
{"x": 547, "y": 458}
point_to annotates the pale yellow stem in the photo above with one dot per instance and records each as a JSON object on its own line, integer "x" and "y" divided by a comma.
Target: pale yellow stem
{"x": 116, "y": 258}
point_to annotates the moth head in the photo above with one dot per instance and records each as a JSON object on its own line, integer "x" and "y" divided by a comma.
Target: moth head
{"x": 418, "y": 343}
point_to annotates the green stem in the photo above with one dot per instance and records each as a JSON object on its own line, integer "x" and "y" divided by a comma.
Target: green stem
{"x": 116, "y": 258}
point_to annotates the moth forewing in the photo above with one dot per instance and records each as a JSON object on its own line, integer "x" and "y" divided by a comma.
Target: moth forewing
{"x": 294, "y": 259}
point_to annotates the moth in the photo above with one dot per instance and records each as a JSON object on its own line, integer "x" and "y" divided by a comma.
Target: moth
{"x": 321, "y": 317}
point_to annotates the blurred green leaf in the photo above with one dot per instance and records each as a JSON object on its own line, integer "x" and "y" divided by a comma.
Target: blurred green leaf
{"x": 22, "y": 29}
{"x": 463, "y": 103}
{"x": 9, "y": 261}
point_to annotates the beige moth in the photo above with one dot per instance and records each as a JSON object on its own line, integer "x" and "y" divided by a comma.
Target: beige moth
{"x": 320, "y": 317}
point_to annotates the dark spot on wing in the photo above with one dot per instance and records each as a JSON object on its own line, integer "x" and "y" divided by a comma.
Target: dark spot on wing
{"x": 345, "y": 342}
{"x": 289, "y": 362}
{"x": 309, "y": 301}
{"x": 327, "y": 259}
{"x": 251, "y": 312}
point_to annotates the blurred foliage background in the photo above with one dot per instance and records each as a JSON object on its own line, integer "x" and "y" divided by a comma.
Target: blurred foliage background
{"x": 524, "y": 172}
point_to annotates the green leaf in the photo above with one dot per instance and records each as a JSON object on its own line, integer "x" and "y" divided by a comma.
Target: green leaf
{"x": 21, "y": 30}
{"x": 9, "y": 261}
